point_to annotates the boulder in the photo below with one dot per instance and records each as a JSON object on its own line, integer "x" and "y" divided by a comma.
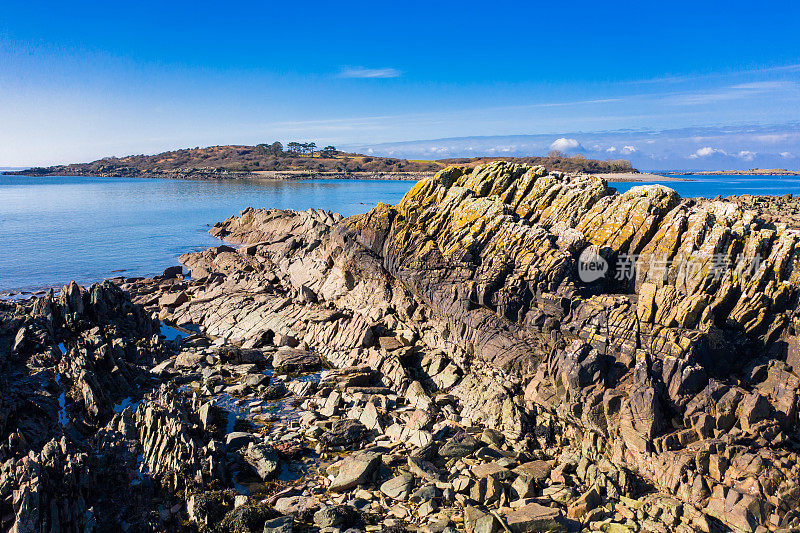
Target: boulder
{"x": 273, "y": 392}
{"x": 344, "y": 433}
{"x": 264, "y": 460}
{"x": 336, "y": 516}
{"x": 173, "y": 272}
{"x": 355, "y": 470}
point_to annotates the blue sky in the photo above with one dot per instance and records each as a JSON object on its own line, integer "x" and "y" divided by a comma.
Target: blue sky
{"x": 83, "y": 80}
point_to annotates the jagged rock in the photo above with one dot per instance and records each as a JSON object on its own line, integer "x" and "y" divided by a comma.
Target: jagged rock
{"x": 476, "y": 521}
{"x": 209, "y": 507}
{"x": 585, "y": 503}
{"x": 678, "y": 378}
{"x": 752, "y": 409}
{"x": 424, "y": 469}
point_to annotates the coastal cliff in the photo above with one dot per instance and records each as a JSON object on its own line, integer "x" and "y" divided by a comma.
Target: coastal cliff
{"x": 509, "y": 349}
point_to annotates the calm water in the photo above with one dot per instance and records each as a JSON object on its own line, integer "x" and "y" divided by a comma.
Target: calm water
{"x": 57, "y": 229}
{"x": 711, "y": 186}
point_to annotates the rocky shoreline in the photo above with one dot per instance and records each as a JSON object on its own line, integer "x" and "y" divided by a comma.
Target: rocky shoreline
{"x": 440, "y": 365}
{"x": 219, "y": 174}
{"x": 286, "y": 175}
{"x": 751, "y": 172}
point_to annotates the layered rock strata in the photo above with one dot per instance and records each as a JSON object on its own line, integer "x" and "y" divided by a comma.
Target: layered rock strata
{"x": 507, "y": 349}
{"x": 658, "y": 376}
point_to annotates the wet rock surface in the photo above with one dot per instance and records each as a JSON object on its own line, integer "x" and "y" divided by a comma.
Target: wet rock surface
{"x": 438, "y": 366}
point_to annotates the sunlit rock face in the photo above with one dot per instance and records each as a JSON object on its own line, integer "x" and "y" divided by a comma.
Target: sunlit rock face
{"x": 683, "y": 350}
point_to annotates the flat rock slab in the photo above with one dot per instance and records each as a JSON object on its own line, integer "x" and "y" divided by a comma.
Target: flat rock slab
{"x": 537, "y": 470}
{"x": 491, "y": 470}
{"x": 293, "y": 360}
{"x": 535, "y": 518}
{"x": 189, "y": 359}
{"x": 390, "y": 344}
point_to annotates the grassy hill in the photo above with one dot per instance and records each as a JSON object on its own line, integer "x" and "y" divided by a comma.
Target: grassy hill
{"x": 244, "y": 161}
{"x": 554, "y": 161}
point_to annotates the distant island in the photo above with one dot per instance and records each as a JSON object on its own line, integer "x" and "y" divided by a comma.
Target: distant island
{"x": 751, "y": 172}
{"x": 299, "y": 161}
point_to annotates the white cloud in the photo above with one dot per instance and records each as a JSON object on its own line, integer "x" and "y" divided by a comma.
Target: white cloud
{"x": 565, "y": 145}
{"x": 787, "y": 155}
{"x": 707, "y": 151}
{"x": 627, "y": 150}
{"x": 362, "y": 72}
{"x": 746, "y": 155}
{"x": 611, "y": 149}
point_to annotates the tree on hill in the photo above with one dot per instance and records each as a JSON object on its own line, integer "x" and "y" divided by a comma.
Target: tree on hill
{"x": 328, "y": 151}
{"x": 275, "y": 149}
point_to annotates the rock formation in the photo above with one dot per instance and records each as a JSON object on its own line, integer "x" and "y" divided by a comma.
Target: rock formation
{"x": 508, "y": 350}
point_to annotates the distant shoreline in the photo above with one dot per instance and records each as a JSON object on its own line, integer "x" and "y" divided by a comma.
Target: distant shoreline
{"x": 625, "y": 177}
{"x": 752, "y": 172}
{"x": 280, "y": 175}
{"x": 296, "y": 175}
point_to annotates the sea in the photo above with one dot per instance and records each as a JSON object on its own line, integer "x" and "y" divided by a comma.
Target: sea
{"x": 57, "y": 229}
